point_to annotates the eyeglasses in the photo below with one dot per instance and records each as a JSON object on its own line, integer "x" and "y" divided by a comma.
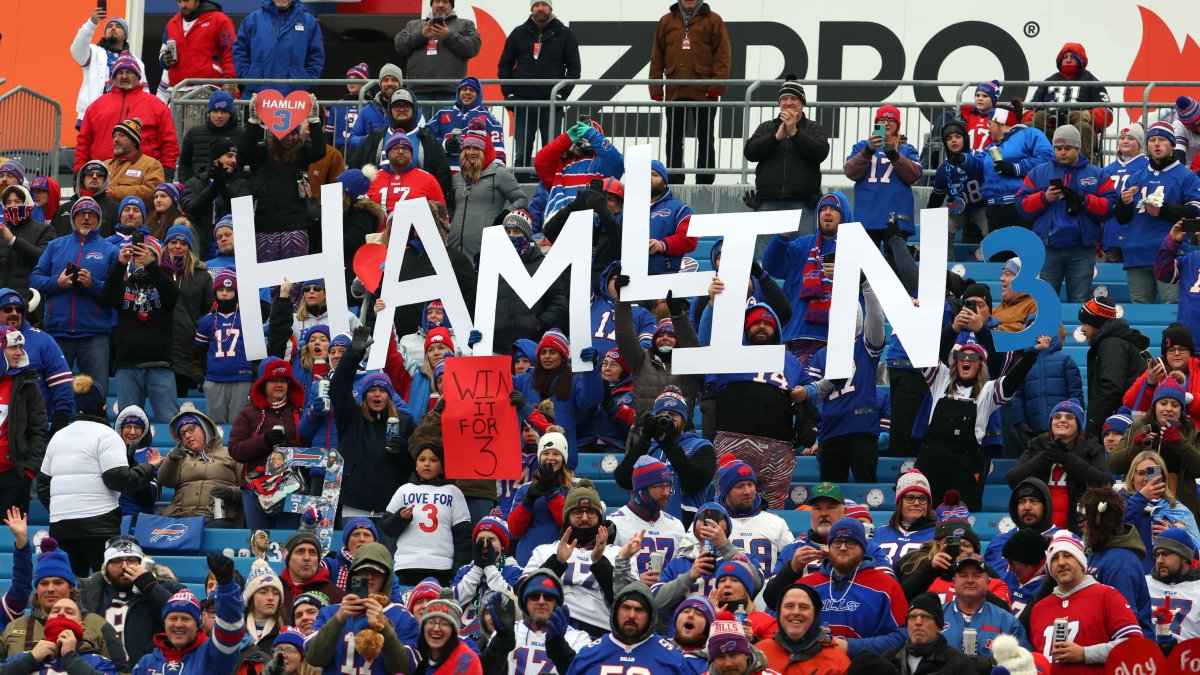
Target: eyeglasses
{"x": 1062, "y": 416}
{"x": 95, "y": 174}
{"x": 916, "y": 499}
{"x": 286, "y": 649}
{"x": 313, "y": 288}
{"x": 920, "y": 616}
{"x": 843, "y": 543}
{"x": 1177, "y": 349}
{"x": 11, "y": 309}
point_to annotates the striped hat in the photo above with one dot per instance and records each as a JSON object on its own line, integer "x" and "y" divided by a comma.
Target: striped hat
{"x": 1164, "y": 129}
{"x": 1097, "y": 311}
{"x": 1064, "y": 541}
{"x": 183, "y": 601}
{"x": 1187, "y": 109}
{"x": 359, "y": 72}
{"x": 172, "y": 190}
{"x": 14, "y": 167}
{"x": 126, "y": 61}
{"x": 649, "y": 471}
{"x": 792, "y": 88}
{"x": 86, "y": 205}
{"x": 131, "y": 128}
{"x": 1118, "y": 422}
{"x": 475, "y": 139}
{"x": 556, "y": 340}
{"x": 991, "y": 88}
{"x": 912, "y": 481}
{"x": 1005, "y": 114}
{"x": 496, "y": 526}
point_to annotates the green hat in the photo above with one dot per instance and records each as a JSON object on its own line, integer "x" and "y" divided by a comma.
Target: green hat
{"x": 583, "y": 496}
{"x": 826, "y": 491}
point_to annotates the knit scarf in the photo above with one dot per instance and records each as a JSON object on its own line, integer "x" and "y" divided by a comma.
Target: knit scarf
{"x": 343, "y": 576}
{"x": 816, "y": 287}
{"x": 172, "y": 264}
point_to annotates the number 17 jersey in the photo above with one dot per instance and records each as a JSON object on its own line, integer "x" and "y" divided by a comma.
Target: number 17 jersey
{"x": 222, "y": 335}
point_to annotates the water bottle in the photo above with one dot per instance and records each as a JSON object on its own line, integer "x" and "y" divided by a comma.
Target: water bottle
{"x": 218, "y": 508}
{"x": 393, "y": 429}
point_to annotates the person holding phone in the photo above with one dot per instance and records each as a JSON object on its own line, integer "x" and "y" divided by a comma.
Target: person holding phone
{"x": 1068, "y": 201}
{"x": 1177, "y": 354}
{"x": 437, "y": 47}
{"x": 884, "y": 167}
{"x": 1151, "y": 506}
{"x": 1174, "y": 266}
{"x": 1170, "y": 431}
{"x": 94, "y": 58}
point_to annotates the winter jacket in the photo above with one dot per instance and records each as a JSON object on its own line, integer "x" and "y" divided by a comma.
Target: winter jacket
{"x": 1075, "y": 89}
{"x": 1141, "y": 514}
{"x": 446, "y": 60}
{"x": 565, "y": 178}
{"x": 706, "y": 56}
{"x": 994, "y": 555}
{"x": 1085, "y": 467}
{"x": 96, "y": 632}
{"x": 1182, "y": 457}
{"x": 1113, "y": 362}
{"x": 1054, "y": 378}
{"x": 46, "y": 359}
{"x": 80, "y": 662}
{"x": 1023, "y": 147}
{"x": 480, "y": 204}
{"x": 821, "y": 657}
{"x": 428, "y": 155}
{"x": 195, "y": 300}
{"x": 136, "y": 176}
{"x": 791, "y": 168}
{"x": 247, "y": 439}
{"x": 516, "y": 320}
{"x": 458, "y": 117}
{"x": 218, "y": 654}
{"x": 606, "y": 227}
{"x": 536, "y": 525}
{"x": 557, "y": 57}
{"x": 143, "y": 616}
{"x": 868, "y": 603}
{"x": 205, "y": 50}
{"x": 96, "y": 61}
{"x": 373, "y": 472}
{"x": 669, "y": 219}
{"x": 206, "y": 201}
{"x": 77, "y": 311}
{"x": 194, "y": 476}
{"x": 1119, "y": 564}
{"x": 472, "y": 582}
{"x": 1053, "y": 222}
{"x": 1140, "y": 395}
{"x": 142, "y": 500}
{"x": 30, "y": 239}
{"x": 785, "y": 259}
{"x": 26, "y": 421}
{"x": 194, "y": 158}
{"x": 272, "y": 44}
{"x": 650, "y": 373}
{"x": 943, "y": 660}
{"x": 278, "y": 207}
{"x": 62, "y": 223}
{"x": 158, "y": 127}
{"x": 325, "y": 171}
{"x": 1013, "y": 314}
{"x": 587, "y": 390}
{"x": 141, "y": 329}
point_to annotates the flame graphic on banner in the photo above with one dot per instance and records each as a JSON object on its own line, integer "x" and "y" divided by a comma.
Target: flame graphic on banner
{"x": 1159, "y": 58}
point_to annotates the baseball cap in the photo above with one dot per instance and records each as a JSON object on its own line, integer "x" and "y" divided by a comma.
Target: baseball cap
{"x": 826, "y": 491}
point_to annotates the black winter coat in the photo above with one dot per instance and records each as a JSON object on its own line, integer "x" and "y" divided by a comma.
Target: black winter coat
{"x": 558, "y": 59}
{"x": 143, "y": 618}
{"x": 141, "y": 342}
{"x": 18, "y": 260}
{"x": 943, "y": 660}
{"x": 1086, "y": 466}
{"x": 791, "y": 168}
{"x": 196, "y": 147}
{"x": 195, "y": 300}
{"x": 430, "y": 157}
{"x": 516, "y": 320}
{"x": 27, "y": 423}
{"x": 278, "y": 206}
{"x": 416, "y": 264}
{"x": 1113, "y": 362}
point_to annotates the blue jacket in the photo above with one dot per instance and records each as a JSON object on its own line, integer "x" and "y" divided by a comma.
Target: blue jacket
{"x": 543, "y": 528}
{"x": 1140, "y": 513}
{"x": 784, "y": 259}
{"x": 46, "y": 357}
{"x": 608, "y": 162}
{"x": 16, "y": 598}
{"x": 1024, "y": 147}
{"x": 271, "y": 44}
{"x": 220, "y": 654}
{"x": 371, "y": 118}
{"x": 988, "y": 621}
{"x": 446, "y": 120}
{"x": 882, "y": 192}
{"x": 1119, "y": 565}
{"x": 470, "y": 580}
{"x": 866, "y": 607}
{"x": 669, "y": 219}
{"x": 1054, "y": 378}
{"x": 1119, "y": 172}
{"x": 71, "y": 314}
{"x": 604, "y": 317}
{"x": 587, "y": 391}
{"x": 1052, "y": 222}
{"x": 608, "y": 424}
{"x": 95, "y": 663}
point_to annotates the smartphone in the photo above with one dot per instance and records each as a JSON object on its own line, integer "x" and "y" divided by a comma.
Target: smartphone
{"x": 139, "y": 238}
{"x": 656, "y": 561}
{"x": 72, "y": 269}
{"x": 880, "y": 131}
{"x": 1153, "y": 472}
{"x": 953, "y": 547}
{"x": 1191, "y": 225}
{"x": 439, "y": 21}
{"x": 970, "y": 304}
{"x": 585, "y": 118}
{"x": 358, "y": 586}
{"x": 102, "y": 5}
{"x": 1056, "y": 183}
{"x": 597, "y": 184}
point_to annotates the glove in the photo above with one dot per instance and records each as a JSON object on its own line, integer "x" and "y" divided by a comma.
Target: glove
{"x": 1007, "y": 168}
{"x": 491, "y": 554}
{"x": 547, "y": 478}
{"x": 556, "y": 625}
{"x": 453, "y": 144}
{"x": 473, "y": 338}
{"x": 169, "y": 174}
{"x": 275, "y": 438}
{"x": 1172, "y": 434}
{"x": 1074, "y": 200}
{"x": 314, "y": 115}
{"x": 200, "y": 384}
{"x": 756, "y": 270}
{"x": 1055, "y": 454}
{"x": 750, "y": 199}
{"x": 357, "y": 288}
{"x": 516, "y": 399}
{"x": 534, "y": 493}
{"x": 177, "y": 455}
{"x": 253, "y": 118}
{"x": 578, "y": 131}
{"x": 319, "y": 405}
{"x": 590, "y": 199}
{"x": 622, "y": 282}
{"x": 221, "y": 567}
{"x": 503, "y": 612}
{"x": 225, "y": 493}
{"x": 360, "y": 339}
{"x": 589, "y": 354}
{"x": 480, "y": 558}
{"x": 679, "y": 305}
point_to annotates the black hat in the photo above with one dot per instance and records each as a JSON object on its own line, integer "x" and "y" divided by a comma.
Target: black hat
{"x": 953, "y": 127}
{"x": 1026, "y": 545}
{"x": 1097, "y": 311}
{"x": 957, "y": 528}
{"x": 792, "y": 88}
{"x": 1177, "y": 335}
{"x": 929, "y": 602}
{"x": 218, "y": 148}
{"x": 977, "y": 290}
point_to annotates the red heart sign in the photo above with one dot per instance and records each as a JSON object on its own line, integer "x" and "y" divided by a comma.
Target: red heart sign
{"x": 1136, "y": 655}
{"x": 280, "y": 114}
{"x": 368, "y": 265}
{"x": 1186, "y": 656}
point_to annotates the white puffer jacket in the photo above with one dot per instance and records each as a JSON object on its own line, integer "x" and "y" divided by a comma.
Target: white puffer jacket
{"x": 76, "y": 458}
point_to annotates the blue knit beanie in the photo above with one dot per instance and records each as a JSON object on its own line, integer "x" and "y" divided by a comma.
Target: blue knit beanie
{"x": 1072, "y": 406}
{"x": 741, "y": 571}
{"x": 221, "y": 100}
{"x": 355, "y": 183}
{"x": 180, "y": 231}
{"x": 1119, "y": 422}
{"x": 136, "y": 201}
{"x": 731, "y": 474}
{"x": 53, "y": 562}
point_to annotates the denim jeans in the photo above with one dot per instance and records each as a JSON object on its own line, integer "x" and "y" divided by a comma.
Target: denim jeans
{"x": 88, "y": 355}
{"x": 136, "y": 385}
{"x": 528, "y": 122}
{"x": 1142, "y": 287}
{"x": 1076, "y": 264}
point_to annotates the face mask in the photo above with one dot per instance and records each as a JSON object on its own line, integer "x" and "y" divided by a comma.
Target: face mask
{"x": 520, "y": 243}
{"x": 227, "y": 306}
{"x": 665, "y": 349}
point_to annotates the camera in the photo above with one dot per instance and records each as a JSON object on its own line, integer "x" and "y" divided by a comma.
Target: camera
{"x": 661, "y": 424}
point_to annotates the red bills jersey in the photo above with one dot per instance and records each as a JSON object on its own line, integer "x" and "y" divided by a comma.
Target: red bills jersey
{"x": 1095, "y": 614}
{"x": 389, "y": 188}
{"x": 977, "y": 127}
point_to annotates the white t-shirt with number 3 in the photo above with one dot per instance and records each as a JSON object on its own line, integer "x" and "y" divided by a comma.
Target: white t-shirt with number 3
{"x": 427, "y": 542}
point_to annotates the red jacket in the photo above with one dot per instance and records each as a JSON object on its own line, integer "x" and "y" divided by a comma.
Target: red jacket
{"x": 158, "y": 127}
{"x": 389, "y": 188}
{"x": 206, "y": 51}
{"x": 1141, "y": 393}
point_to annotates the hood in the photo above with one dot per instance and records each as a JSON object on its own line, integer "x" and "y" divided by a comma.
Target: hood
{"x": 425, "y": 311}
{"x": 1120, "y": 328}
{"x": 762, "y": 306}
{"x": 210, "y": 428}
{"x": 295, "y": 394}
{"x": 15, "y": 215}
{"x": 9, "y": 296}
{"x": 26, "y": 197}
{"x": 53, "y": 191}
{"x": 550, "y": 574}
{"x": 601, "y": 289}
{"x": 376, "y": 553}
{"x": 1042, "y": 490}
{"x": 135, "y": 411}
{"x": 83, "y": 169}
{"x": 372, "y": 207}
{"x": 641, "y": 592}
{"x": 525, "y": 347}
{"x": 472, "y": 83}
{"x": 843, "y": 205}
{"x": 715, "y": 252}
{"x": 1079, "y": 51}
{"x": 1128, "y": 538}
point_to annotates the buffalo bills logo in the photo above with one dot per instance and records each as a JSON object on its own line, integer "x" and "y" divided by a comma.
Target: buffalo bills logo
{"x": 728, "y": 567}
{"x": 170, "y": 533}
{"x": 844, "y": 533}
{"x": 745, "y": 470}
{"x": 1089, "y": 181}
{"x": 94, "y": 256}
{"x": 548, "y": 583}
{"x": 662, "y": 213}
{"x": 585, "y": 502}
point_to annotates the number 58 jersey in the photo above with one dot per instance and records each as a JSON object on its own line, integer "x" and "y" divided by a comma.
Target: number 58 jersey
{"x": 607, "y": 656}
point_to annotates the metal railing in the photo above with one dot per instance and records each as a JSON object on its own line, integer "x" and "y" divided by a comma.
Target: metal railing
{"x": 748, "y": 103}
{"x": 30, "y": 130}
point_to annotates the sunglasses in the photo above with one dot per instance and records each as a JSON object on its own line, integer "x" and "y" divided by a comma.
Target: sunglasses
{"x": 1062, "y": 416}
{"x": 95, "y": 174}
{"x": 969, "y": 357}
{"x": 11, "y": 309}
{"x": 313, "y": 288}
{"x": 541, "y": 597}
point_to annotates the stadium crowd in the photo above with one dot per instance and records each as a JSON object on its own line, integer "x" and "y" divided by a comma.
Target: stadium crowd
{"x": 132, "y": 280}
